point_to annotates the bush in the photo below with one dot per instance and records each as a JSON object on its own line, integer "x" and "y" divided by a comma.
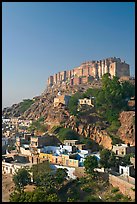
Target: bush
{"x": 86, "y": 188}
{"x": 38, "y": 125}
{"x": 67, "y": 134}
{"x": 114, "y": 190}
{"x": 92, "y": 198}
{"x": 56, "y": 129}
{"x": 117, "y": 197}
{"x": 25, "y": 105}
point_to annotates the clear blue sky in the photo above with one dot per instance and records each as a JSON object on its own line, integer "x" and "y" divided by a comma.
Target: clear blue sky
{"x": 40, "y": 39}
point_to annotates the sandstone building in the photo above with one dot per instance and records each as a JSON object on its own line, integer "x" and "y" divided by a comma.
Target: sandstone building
{"x": 91, "y": 70}
{"x": 63, "y": 99}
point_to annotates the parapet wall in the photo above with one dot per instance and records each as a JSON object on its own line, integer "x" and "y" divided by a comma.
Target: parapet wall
{"x": 126, "y": 187}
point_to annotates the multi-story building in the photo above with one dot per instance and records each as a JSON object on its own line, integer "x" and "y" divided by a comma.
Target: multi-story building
{"x": 96, "y": 69}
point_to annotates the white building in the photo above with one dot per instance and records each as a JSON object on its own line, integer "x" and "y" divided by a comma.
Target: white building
{"x": 127, "y": 170}
{"x": 12, "y": 167}
{"x": 70, "y": 171}
{"x": 86, "y": 101}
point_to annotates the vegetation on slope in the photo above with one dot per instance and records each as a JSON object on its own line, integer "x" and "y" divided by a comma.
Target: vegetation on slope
{"x": 53, "y": 187}
{"x": 38, "y": 125}
{"x": 24, "y": 105}
{"x": 109, "y": 101}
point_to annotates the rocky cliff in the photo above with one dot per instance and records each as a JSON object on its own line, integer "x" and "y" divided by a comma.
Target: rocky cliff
{"x": 127, "y": 128}
{"x": 88, "y": 124}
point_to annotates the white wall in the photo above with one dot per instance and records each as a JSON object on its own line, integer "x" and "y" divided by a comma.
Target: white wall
{"x": 70, "y": 171}
{"x": 126, "y": 171}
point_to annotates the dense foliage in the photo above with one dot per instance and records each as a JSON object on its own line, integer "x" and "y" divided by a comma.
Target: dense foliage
{"x": 25, "y": 104}
{"x": 113, "y": 98}
{"x": 53, "y": 187}
{"x": 73, "y": 103}
{"x": 107, "y": 158}
{"x": 90, "y": 164}
{"x": 67, "y": 134}
{"x": 39, "y": 169}
{"x": 48, "y": 184}
{"x": 21, "y": 178}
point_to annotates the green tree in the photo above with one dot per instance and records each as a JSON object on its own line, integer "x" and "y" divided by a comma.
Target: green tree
{"x": 38, "y": 195}
{"x": 128, "y": 89}
{"x": 112, "y": 160}
{"x": 91, "y": 92}
{"x": 15, "y": 196}
{"x": 90, "y": 164}
{"x": 61, "y": 175}
{"x": 40, "y": 169}
{"x": 125, "y": 160}
{"x": 104, "y": 158}
{"x": 21, "y": 178}
{"x": 73, "y": 103}
{"x": 67, "y": 134}
{"x": 107, "y": 158}
{"x": 92, "y": 198}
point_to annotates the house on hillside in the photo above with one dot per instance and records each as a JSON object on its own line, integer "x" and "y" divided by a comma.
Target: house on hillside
{"x": 123, "y": 149}
{"x": 86, "y": 101}
{"x": 127, "y": 170}
{"x": 61, "y": 99}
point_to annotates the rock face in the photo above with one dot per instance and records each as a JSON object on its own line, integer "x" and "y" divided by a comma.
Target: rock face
{"x": 12, "y": 111}
{"x": 127, "y": 129}
{"x": 96, "y": 133}
{"x": 89, "y": 124}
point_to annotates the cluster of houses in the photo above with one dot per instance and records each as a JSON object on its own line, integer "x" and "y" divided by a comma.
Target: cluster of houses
{"x": 11, "y": 125}
{"x": 71, "y": 154}
{"x": 37, "y": 149}
{"x": 64, "y": 99}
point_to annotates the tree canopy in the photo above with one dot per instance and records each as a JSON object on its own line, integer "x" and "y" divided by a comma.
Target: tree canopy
{"x": 21, "y": 178}
{"x": 67, "y": 134}
{"x": 107, "y": 158}
{"x": 90, "y": 164}
{"x": 73, "y": 103}
{"x": 40, "y": 169}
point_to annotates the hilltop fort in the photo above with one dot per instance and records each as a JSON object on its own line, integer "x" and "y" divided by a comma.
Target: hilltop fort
{"x": 90, "y": 70}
